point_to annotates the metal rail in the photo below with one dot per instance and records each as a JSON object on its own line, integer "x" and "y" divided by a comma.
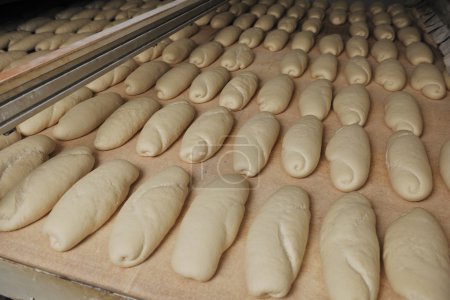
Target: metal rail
{"x": 30, "y": 88}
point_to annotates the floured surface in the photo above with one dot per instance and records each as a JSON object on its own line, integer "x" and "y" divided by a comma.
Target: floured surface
{"x": 154, "y": 279}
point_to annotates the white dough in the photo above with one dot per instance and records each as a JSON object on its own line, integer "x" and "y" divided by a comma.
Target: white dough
{"x": 357, "y": 46}
{"x": 153, "y": 52}
{"x": 228, "y": 36}
{"x": 276, "y": 94}
{"x": 359, "y": 29}
{"x": 325, "y": 66}
{"x": 352, "y": 105}
{"x": 176, "y": 80}
{"x": 383, "y": 50}
{"x": 239, "y": 91}
{"x": 252, "y": 37}
{"x": 206, "y": 54}
{"x": 428, "y": 79}
{"x": 294, "y": 63}
{"x": 391, "y": 75}
{"x": 358, "y": 71}
{"x": 402, "y": 112}
{"x": 144, "y": 77}
{"x": 265, "y": 22}
{"x": 331, "y": 44}
{"x": 276, "y": 40}
{"x": 315, "y": 99}
{"x": 178, "y": 51}
{"x": 113, "y": 77}
{"x": 408, "y": 35}
{"x": 303, "y": 40}
{"x": 418, "y": 52}
{"x": 208, "y": 84}
{"x": 9, "y": 139}
{"x": 239, "y": 56}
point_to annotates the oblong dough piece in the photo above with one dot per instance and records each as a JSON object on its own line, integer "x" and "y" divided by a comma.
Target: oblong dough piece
{"x": 301, "y": 147}
{"x": 203, "y": 21}
{"x": 245, "y": 21}
{"x": 8, "y": 57}
{"x": 288, "y": 24}
{"x": 276, "y": 10}
{"x": 357, "y": 46}
{"x": 294, "y": 63}
{"x": 238, "y": 57}
{"x": 164, "y": 128}
{"x": 429, "y": 80}
{"x": 315, "y": 99}
{"x": 359, "y": 29}
{"x": 381, "y": 18}
{"x": 316, "y": 12}
{"x": 71, "y": 26}
{"x": 349, "y": 249}
{"x": 144, "y": 77}
{"x": 53, "y": 42}
{"x": 312, "y": 24}
{"x": 176, "y": 80}
{"x": 86, "y": 116}
{"x": 12, "y": 37}
{"x": 9, "y": 139}
{"x": 20, "y": 158}
{"x": 402, "y": 112}
{"x": 296, "y": 11}
{"x": 124, "y": 123}
{"x": 153, "y": 52}
{"x": 324, "y": 67}
{"x": 259, "y": 10}
{"x": 348, "y": 152}
{"x": 352, "y": 105}
{"x": 384, "y": 31}
{"x": 208, "y": 84}
{"x": 276, "y": 94}
{"x": 206, "y": 54}
{"x": 357, "y": 16}
{"x": 252, "y": 37}
{"x": 93, "y": 26}
{"x": 254, "y": 142}
{"x": 210, "y": 226}
{"x": 178, "y": 51}
{"x": 265, "y": 22}
{"x": 331, "y": 44}
{"x": 303, "y": 40}
{"x": 222, "y": 20}
{"x": 408, "y": 166}
{"x": 228, "y": 36}
{"x": 147, "y": 216}
{"x": 29, "y": 42}
{"x": 444, "y": 163}
{"x": 239, "y": 91}
{"x": 415, "y": 256}
{"x": 51, "y": 115}
{"x": 276, "y": 40}
{"x": 338, "y": 16}
{"x": 358, "y": 71}
{"x": 276, "y": 243}
{"x": 89, "y": 203}
{"x": 113, "y": 77}
{"x": 185, "y": 32}
{"x": 384, "y": 49}
{"x": 206, "y": 135}
{"x": 31, "y": 24}
{"x": 391, "y": 75}
{"x": 408, "y": 35}
{"x": 419, "y": 52}
{"x": 32, "y": 198}
{"x": 401, "y": 20}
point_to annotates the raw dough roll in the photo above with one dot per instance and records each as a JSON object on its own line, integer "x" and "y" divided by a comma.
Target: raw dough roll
{"x": 356, "y": 6}
{"x": 415, "y": 256}
{"x": 71, "y": 26}
{"x": 381, "y": 19}
{"x": 313, "y": 25}
{"x": 258, "y": 10}
{"x": 444, "y": 163}
{"x": 315, "y": 99}
{"x": 89, "y": 203}
{"x": 276, "y": 243}
{"x": 276, "y": 10}
{"x": 294, "y": 63}
{"x": 25, "y": 59}
{"x": 176, "y": 80}
{"x": 408, "y": 166}
{"x": 245, "y": 21}
{"x": 12, "y": 37}
{"x": 210, "y": 227}
{"x": 348, "y": 152}
{"x": 276, "y": 40}
{"x": 206, "y": 54}
{"x": 384, "y": 31}
{"x": 408, "y": 35}
{"x": 384, "y": 49}
{"x": 391, "y": 75}
{"x": 316, "y": 13}
{"x": 51, "y": 115}
{"x": 238, "y": 8}
{"x": 252, "y": 37}
{"x": 124, "y": 123}
{"x": 402, "y": 112}
{"x": 254, "y": 142}
{"x": 8, "y": 57}
{"x": 20, "y": 158}
{"x": 419, "y": 52}
{"x": 303, "y": 40}
{"x": 266, "y": 22}
{"x": 9, "y": 139}
{"x": 357, "y": 46}
{"x": 296, "y": 11}
{"x": 153, "y": 52}
{"x": 349, "y": 249}
{"x": 85, "y": 14}
{"x": 288, "y": 24}
{"x": 429, "y": 80}
{"x": 340, "y": 5}
{"x": 401, "y": 20}
{"x": 203, "y": 21}
{"x": 208, "y": 84}
{"x": 302, "y": 143}
{"x": 113, "y": 77}
{"x": 185, "y": 32}
{"x": 67, "y": 13}
{"x": 228, "y": 35}
{"x": 29, "y": 42}
{"x": 109, "y": 14}
{"x": 86, "y": 116}
{"x": 331, "y": 44}
{"x": 178, "y": 51}
{"x": 358, "y": 71}
{"x": 239, "y": 91}
{"x": 275, "y": 94}
{"x": 164, "y": 128}
{"x": 359, "y": 29}
{"x": 93, "y": 26}
{"x": 352, "y": 105}
{"x": 239, "y": 56}
{"x": 147, "y": 216}
{"x": 32, "y": 24}
{"x": 376, "y": 7}
{"x": 144, "y": 77}
{"x": 395, "y": 9}
{"x": 338, "y": 16}
{"x": 222, "y": 20}
{"x": 206, "y": 135}
{"x": 324, "y": 67}
{"x": 32, "y": 198}
{"x": 355, "y": 17}
{"x": 74, "y": 38}
{"x": 53, "y": 42}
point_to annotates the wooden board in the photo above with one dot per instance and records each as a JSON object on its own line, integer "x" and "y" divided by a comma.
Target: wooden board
{"x": 154, "y": 279}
